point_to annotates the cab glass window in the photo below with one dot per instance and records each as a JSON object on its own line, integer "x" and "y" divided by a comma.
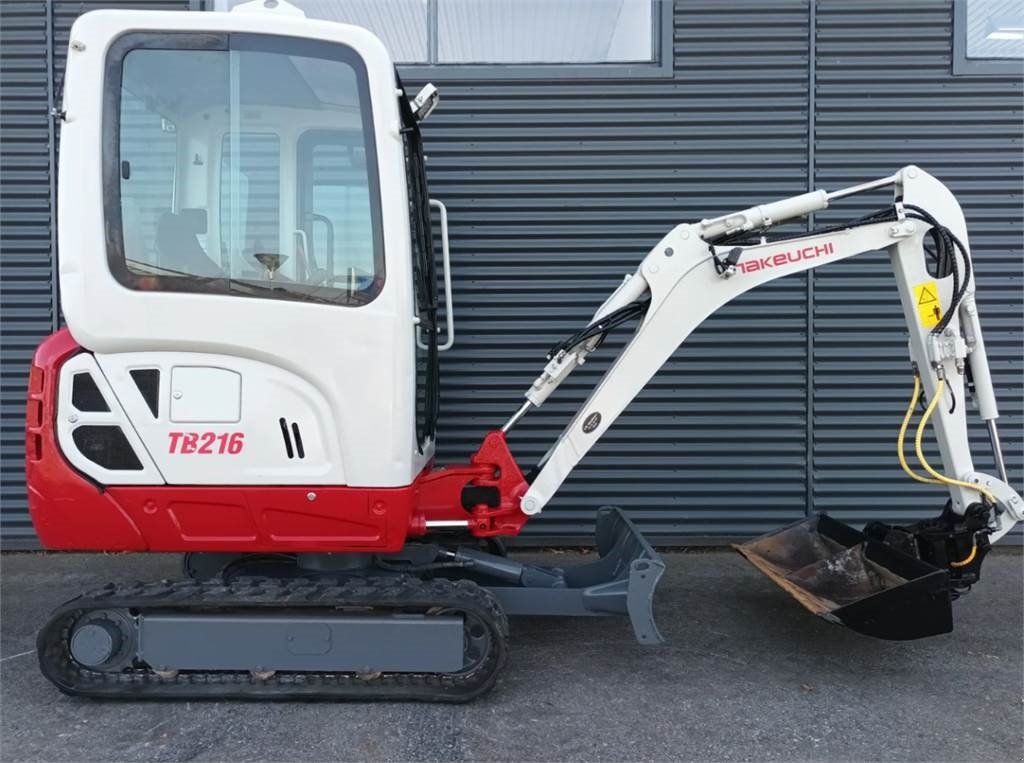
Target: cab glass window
{"x": 215, "y": 184}
{"x": 149, "y": 147}
{"x": 249, "y": 204}
{"x": 334, "y": 204}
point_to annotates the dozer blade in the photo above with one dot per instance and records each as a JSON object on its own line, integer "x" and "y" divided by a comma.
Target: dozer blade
{"x": 621, "y": 581}
{"x": 844, "y": 576}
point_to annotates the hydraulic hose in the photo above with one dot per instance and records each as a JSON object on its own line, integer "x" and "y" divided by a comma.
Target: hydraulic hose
{"x": 903, "y": 433}
{"x": 939, "y": 389}
{"x": 969, "y": 558}
{"x": 940, "y": 479}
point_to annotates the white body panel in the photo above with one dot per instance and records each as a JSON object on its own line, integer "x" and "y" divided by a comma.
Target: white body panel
{"x": 205, "y": 395}
{"x": 355, "y": 365}
{"x": 267, "y": 394}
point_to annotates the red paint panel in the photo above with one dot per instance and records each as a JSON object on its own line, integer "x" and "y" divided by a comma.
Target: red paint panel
{"x": 272, "y": 518}
{"x": 70, "y": 512}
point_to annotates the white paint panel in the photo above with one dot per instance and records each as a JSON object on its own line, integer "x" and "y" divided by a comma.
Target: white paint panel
{"x": 270, "y": 394}
{"x": 204, "y": 394}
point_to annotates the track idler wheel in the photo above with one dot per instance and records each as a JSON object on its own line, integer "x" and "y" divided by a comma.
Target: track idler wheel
{"x": 103, "y": 640}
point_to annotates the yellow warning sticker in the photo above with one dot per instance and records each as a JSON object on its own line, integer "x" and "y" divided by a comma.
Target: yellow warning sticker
{"x": 929, "y": 309}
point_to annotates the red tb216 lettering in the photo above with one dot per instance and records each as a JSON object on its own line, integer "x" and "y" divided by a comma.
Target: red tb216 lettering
{"x": 206, "y": 443}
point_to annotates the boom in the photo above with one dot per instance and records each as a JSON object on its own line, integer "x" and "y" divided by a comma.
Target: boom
{"x": 693, "y": 271}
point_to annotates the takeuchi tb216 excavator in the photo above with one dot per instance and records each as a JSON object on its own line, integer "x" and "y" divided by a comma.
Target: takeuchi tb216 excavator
{"x": 249, "y": 375}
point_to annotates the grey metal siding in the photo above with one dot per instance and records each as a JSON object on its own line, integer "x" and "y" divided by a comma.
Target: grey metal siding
{"x": 885, "y": 97}
{"x": 26, "y": 267}
{"x": 558, "y": 187}
{"x": 33, "y": 46}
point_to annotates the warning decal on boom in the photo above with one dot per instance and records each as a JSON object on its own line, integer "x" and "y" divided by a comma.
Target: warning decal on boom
{"x": 929, "y": 309}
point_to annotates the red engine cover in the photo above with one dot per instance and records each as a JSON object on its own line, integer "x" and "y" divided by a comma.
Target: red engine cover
{"x": 71, "y": 512}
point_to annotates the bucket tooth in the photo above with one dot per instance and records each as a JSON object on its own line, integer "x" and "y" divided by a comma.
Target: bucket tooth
{"x": 840, "y": 574}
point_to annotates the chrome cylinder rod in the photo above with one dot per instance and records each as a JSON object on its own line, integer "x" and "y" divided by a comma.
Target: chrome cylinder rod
{"x": 516, "y": 416}
{"x": 870, "y": 186}
{"x": 997, "y": 450}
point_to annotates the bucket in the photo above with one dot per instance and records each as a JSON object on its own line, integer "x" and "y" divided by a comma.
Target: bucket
{"x": 840, "y": 574}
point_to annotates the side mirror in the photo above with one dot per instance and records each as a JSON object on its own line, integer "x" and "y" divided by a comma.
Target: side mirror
{"x": 425, "y": 102}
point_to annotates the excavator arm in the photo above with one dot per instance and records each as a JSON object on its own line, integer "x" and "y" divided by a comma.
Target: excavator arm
{"x": 693, "y": 271}
{"x": 893, "y": 582}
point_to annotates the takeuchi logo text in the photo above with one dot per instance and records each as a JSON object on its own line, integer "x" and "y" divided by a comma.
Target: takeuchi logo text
{"x": 786, "y": 258}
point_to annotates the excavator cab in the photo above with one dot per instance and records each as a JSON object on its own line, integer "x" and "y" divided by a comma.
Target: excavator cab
{"x": 249, "y": 188}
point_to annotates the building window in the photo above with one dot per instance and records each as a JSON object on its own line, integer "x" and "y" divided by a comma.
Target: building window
{"x": 510, "y": 38}
{"x": 988, "y": 37}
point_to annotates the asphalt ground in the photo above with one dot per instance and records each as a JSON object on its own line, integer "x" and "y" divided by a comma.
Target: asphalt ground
{"x": 747, "y": 675}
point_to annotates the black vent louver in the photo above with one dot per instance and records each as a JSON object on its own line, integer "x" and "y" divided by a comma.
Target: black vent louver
{"x": 292, "y": 439}
{"x": 148, "y": 382}
{"x": 106, "y": 446}
{"x": 86, "y": 396}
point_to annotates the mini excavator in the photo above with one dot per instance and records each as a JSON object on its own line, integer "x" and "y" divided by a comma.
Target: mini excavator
{"x": 249, "y": 376}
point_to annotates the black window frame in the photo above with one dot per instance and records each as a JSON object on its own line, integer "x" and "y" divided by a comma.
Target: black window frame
{"x": 660, "y": 66}
{"x": 226, "y": 286}
{"x": 964, "y": 65}
{"x": 424, "y": 272}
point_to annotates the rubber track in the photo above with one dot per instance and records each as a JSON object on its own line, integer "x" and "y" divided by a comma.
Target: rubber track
{"x": 262, "y": 595}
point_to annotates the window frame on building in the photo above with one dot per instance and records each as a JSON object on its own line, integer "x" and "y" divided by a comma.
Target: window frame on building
{"x": 964, "y": 65}
{"x": 660, "y": 65}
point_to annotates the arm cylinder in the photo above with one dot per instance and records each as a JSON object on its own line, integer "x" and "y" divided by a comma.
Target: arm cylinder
{"x": 764, "y": 214}
{"x": 984, "y": 390}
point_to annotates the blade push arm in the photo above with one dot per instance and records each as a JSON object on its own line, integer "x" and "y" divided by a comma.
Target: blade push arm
{"x": 684, "y": 279}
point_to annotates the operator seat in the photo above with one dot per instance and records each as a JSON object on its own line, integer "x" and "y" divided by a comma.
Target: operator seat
{"x": 178, "y": 244}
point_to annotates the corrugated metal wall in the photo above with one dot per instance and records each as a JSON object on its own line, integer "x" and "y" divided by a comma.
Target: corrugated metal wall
{"x": 33, "y": 46}
{"x": 556, "y": 188}
{"x": 885, "y": 97}
{"x": 26, "y": 265}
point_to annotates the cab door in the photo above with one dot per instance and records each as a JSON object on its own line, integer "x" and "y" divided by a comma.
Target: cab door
{"x": 188, "y": 240}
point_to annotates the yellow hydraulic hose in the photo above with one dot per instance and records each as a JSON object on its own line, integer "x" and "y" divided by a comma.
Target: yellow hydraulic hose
{"x": 969, "y": 558}
{"x": 903, "y": 433}
{"x": 939, "y": 389}
{"x": 939, "y": 479}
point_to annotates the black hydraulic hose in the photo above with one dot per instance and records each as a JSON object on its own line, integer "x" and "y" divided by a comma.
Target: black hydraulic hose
{"x": 943, "y": 241}
{"x": 602, "y": 326}
{"x": 945, "y": 253}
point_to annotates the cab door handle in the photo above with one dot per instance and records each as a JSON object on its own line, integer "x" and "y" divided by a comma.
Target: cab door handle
{"x": 447, "y": 271}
